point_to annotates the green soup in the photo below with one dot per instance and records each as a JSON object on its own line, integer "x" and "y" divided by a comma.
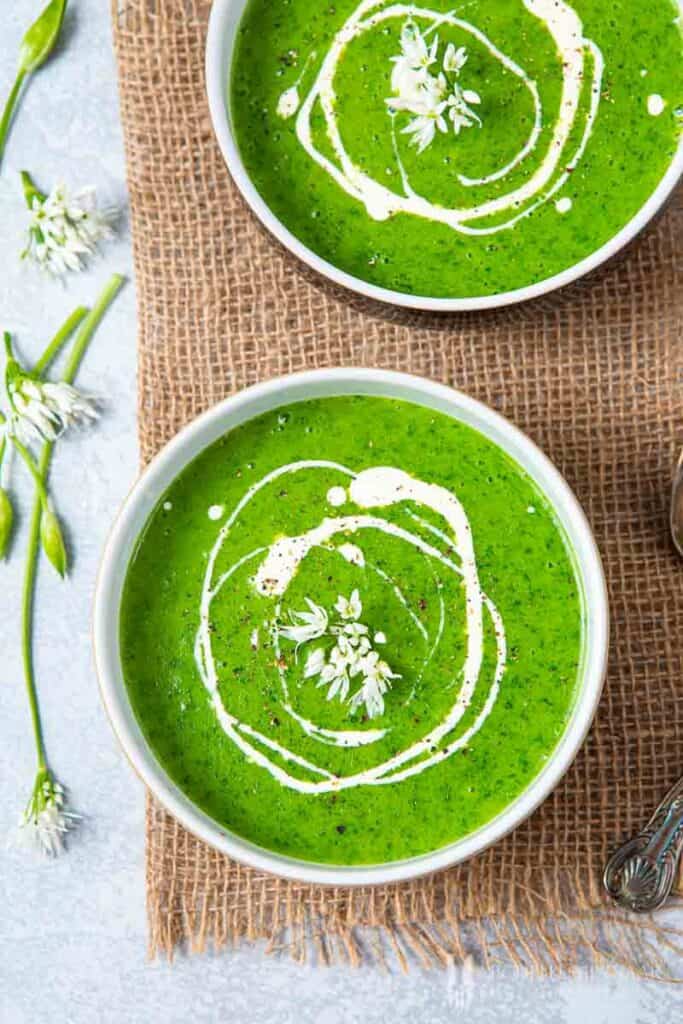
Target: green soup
{"x": 352, "y": 630}
{"x": 456, "y": 150}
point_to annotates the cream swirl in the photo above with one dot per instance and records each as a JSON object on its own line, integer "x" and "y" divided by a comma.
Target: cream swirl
{"x": 580, "y": 64}
{"x": 369, "y": 494}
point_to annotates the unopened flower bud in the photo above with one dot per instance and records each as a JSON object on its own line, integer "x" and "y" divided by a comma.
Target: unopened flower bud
{"x": 52, "y": 540}
{"x": 6, "y": 519}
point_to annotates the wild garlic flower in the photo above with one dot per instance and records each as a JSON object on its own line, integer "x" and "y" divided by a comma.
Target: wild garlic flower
{"x": 63, "y": 228}
{"x": 350, "y": 609}
{"x": 351, "y": 656}
{"x": 459, "y": 110}
{"x": 42, "y": 410}
{"x": 315, "y": 663}
{"x": 377, "y": 678}
{"x": 354, "y": 630}
{"x": 47, "y": 819}
{"x": 411, "y": 65}
{"x": 454, "y": 60}
{"x": 306, "y": 625}
{"x": 433, "y": 99}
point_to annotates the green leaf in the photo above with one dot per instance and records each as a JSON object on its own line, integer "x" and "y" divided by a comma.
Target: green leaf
{"x": 40, "y": 39}
{"x": 51, "y": 538}
{"x": 6, "y": 519}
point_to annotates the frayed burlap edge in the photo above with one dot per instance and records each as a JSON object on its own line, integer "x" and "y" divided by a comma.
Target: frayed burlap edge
{"x": 555, "y": 921}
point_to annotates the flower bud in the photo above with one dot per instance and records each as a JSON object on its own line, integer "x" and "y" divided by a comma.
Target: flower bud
{"x": 6, "y": 518}
{"x": 40, "y": 39}
{"x": 52, "y": 540}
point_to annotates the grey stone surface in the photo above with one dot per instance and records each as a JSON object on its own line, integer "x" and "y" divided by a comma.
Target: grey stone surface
{"x": 72, "y": 931}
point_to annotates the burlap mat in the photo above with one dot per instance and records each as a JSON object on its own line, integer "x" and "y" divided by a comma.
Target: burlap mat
{"x": 593, "y": 374}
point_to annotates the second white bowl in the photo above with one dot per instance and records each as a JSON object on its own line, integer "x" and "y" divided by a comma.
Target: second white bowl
{"x": 245, "y": 406}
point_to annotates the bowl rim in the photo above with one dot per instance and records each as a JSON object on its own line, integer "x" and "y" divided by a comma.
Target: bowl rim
{"x": 243, "y": 406}
{"x": 218, "y": 58}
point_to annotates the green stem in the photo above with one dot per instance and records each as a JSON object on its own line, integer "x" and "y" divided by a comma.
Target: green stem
{"x": 85, "y": 333}
{"x": 62, "y": 336}
{"x": 27, "y": 611}
{"x": 3, "y": 443}
{"x": 33, "y": 470}
{"x": 90, "y": 324}
{"x": 9, "y": 109}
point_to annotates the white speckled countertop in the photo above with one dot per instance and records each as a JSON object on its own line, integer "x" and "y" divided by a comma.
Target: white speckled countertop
{"x": 72, "y": 932}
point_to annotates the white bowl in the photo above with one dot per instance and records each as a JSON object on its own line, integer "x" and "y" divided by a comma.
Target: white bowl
{"x": 242, "y": 407}
{"x": 223, "y": 24}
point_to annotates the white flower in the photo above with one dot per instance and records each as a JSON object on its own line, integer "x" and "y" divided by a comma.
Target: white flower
{"x": 314, "y": 663}
{"x": 432, "y": 99}
{"x": 356, "y": 662}
{"x": 421, "y": 97}
{"x": 355, "y": 630}
{"x": 334, "y": 673}
{"x": 352, "y": 654}
{"x": 454, "y": 60}
{"x": 41, "y": 411}
{"x": 410, "y": 67}
{"x": 350, "y": 609}
{"x": 428, "y": 104}
{"x": 343, "y": 647}
{"x": 376, "y": 682}
{"x": 46, "y": 820}
{"x": 306, "y": 625}
{"x": 329, "y": 672}
{"x": 422, "y": 129}
{"x": 64, "y": 229}
{"x": 427, "y": 101}
{"x": 459, "y": 113}
{"x": 336, "y": 677}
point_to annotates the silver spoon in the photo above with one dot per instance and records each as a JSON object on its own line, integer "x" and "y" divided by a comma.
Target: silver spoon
{"x": 641, "y": 874}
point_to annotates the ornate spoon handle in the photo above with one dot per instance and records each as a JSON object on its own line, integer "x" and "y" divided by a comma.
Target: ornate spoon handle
{"x": 641, "y": 874}
{"x": 676, "y": 513}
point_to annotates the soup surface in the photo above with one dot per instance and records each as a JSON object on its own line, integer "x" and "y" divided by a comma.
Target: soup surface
{"x": 456, "y": 150}
{"x": 351, "y": 630}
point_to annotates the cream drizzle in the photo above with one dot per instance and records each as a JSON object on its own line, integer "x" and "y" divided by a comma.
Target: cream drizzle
{"x": 381, "y": 202}
{"x": 376, "y": 488}
{"x": 352, "y": 553}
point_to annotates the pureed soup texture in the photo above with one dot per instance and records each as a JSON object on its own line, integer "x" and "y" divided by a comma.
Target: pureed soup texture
{"x": 351, "y": 630}
{"x": 457, "y": 149}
